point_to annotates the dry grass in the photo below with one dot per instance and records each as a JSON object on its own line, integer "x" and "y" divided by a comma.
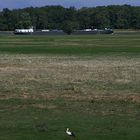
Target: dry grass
{"x": 50, "y": 77}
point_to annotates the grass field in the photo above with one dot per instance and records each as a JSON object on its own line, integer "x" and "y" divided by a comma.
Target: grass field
{"x": 90, "y": 84}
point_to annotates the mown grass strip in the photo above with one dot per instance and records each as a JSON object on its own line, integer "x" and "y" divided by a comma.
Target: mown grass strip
{"x": 68, "y": 50}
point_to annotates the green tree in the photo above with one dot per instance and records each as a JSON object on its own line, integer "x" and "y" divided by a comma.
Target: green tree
{"x": 135, "y": 19}
{"x": 83, "y": 16}
{"x": 24, "y": 21}
{"x": 7, "y": 18}
{"x": 100, "y": 18}
{"x": 69, "y": 27}
{"x": 54, "y": 17}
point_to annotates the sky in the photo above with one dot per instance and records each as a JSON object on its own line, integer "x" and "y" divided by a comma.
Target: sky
{"x": 14, "y": 4}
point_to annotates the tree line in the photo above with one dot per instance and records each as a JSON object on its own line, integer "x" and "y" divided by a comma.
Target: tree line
{"x": 58, "y": 17}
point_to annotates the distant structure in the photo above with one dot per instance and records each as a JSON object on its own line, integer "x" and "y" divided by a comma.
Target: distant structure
{"x": 31, "y": 31}
{"x": 24, "y": 31}
{"x": 87, "y": 30}
{"x": 93, "y": 31}
{"x": 45, "y": 30}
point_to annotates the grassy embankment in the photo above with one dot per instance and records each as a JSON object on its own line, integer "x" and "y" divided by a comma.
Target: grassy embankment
{"x": 87, "y": 83}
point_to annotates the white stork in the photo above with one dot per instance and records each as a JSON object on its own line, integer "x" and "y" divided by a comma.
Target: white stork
{"x": 69, "y": 133}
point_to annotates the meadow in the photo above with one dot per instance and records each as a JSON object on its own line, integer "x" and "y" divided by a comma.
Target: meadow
{"x": 90, "y": 84}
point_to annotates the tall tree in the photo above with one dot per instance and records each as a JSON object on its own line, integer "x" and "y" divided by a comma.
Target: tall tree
{"x": 54, "y": 17}
{"x": 24, "y": 20}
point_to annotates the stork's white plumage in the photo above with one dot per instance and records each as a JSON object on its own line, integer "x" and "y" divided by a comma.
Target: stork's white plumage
{"x": 70, "y": 133}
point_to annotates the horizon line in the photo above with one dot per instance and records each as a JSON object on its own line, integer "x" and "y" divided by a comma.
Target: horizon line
{"x": 69, "y": 6}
